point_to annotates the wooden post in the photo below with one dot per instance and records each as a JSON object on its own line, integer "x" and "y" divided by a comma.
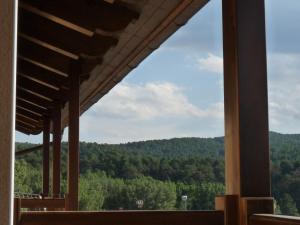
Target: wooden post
{"x": 7, "y": 107}
{"x": 56, "y": 151}
{"x": 246, "y": 101}
{"x": 247, "y": 167}
{"x": 46, "y": 148}
{"x": 74, "y": 114}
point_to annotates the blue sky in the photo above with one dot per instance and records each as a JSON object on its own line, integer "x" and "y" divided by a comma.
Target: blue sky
{"x": 177, "y": 91}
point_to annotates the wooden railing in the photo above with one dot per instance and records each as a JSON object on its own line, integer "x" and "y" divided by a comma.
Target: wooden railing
{"x": 123, "y": 218}
{"x": 270, "y": 219}
{"x": 52, "y": 203}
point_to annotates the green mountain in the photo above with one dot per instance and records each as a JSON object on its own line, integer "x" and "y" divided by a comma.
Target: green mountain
{"x": 193, "y": 166}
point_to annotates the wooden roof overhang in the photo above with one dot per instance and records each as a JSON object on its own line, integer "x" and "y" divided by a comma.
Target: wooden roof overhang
{"x": 107, "y": 37}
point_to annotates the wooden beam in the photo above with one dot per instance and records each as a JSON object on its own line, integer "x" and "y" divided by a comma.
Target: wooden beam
{"x": 88, "y": 15}
{"x": 46, "y": 158}
{"x": 124, "y": 218}
{"x": 57, "y": 203}
{"x": 62, "y": 37}
{"x": 7, "y": 107}
{"x": 74, "y": 114}
{"x": 25, "y": 130}
{"x": 42, "y": 74}
{"x": 42, "y": 55}
{"x": 245, "y": 98}
{"x": 269, "y": 219}
{"x": 41, "y": 89}
{"x": 29, "y": 114}
{"x": 56, "y": 150}
{"x": 32, "y": 107}
{"x": 24, "y": 94}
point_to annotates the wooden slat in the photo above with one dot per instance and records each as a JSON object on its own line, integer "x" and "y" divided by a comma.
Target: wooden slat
{"x": 43, "y": 203}
{"x": 43, "y": 55}
{"x": 123, "y": 218}
{"x": 29, "y": 114}
{"x": 28, "y": 150}
{"x": 26, "y": 120}
{"x": 62, "y": 37}
{"x": 23, "y": 94}
{"x": 23, "y": 129}
{"x": 31, "y": 107}
{"x": 41, "y": 74}
{"x": 269, "y": 219}
{"x": 40, "y": 89}
{"x": 89, "y": 15}
{"x": 245, "y": 99}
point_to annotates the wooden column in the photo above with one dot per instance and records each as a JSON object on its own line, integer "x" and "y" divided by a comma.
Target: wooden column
{"x": 56, "y": 150}
{"x": 7, "y": 108}
{"x": 246, "y": 101}
{"x": 46, "y": 148}
{"x": 74, "y": 114}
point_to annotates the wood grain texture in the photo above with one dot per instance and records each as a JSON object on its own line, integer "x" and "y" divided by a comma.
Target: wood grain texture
{"x": 269, "y": 219}
{"x": 7, "y": 111}
{"x": 46, "y": 156}
{"x": 245, "y": 99}
{"x": 123, "y": 218}
{"x": 43, "y": 203}
{"x": 56, "y": 150}
{"x": 73, "y": 154}
{"x": 230, "y": 205}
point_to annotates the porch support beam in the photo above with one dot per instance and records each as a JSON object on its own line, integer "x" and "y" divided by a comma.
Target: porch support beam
{"x": 7, "y": 108}
{"x": 246, "y": 100}
{"x": 46, "y": 149}
{"x": 74, "y": 114}
{"x": 56, "y": 150}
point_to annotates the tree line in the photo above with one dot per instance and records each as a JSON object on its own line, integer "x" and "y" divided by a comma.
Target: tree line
{"x": 160, "y": 172}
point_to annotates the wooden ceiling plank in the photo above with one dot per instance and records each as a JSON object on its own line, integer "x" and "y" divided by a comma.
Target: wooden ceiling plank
{"x": 21, "y": 93}
{"x": 62, "y": 37}
{"x": 32, "y": 107}
{"x": 23, "y": 129}
{"x": 28, "y": 122}
{"x": 38, "y": 88}
{"x": 42, "y": 55}
{"x": 27, "y": 130}
{"x": 26, "y": 113}
{"x": 88, "y": 14}
{"x": 39, "y": 73}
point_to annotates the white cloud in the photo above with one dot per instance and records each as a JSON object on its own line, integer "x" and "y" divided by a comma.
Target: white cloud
{"x": 284, "y": 89}
{"x": 132, "y": 112}
{"x": 211, "y": 63}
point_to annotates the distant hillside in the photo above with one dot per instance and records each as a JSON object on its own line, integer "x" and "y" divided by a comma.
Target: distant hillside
{"x": 191, "y": 161}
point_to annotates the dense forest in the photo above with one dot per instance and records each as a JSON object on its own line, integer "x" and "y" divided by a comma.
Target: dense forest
{"x": 160, "y": 172}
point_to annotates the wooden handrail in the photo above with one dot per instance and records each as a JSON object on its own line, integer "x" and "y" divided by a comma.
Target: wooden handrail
{"x": 270, "y": 219}
{"x": 53, "y": 203}
{"x": 123, "y": 218}
{"x": 29, "y": 150}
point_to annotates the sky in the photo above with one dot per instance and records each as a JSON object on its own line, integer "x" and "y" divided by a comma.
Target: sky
{"x": 178, "y": 90}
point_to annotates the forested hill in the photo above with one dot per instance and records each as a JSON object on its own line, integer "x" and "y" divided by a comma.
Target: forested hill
{"x": 194, "y": 166}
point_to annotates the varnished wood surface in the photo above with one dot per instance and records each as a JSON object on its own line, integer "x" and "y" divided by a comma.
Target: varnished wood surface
{"x": 43, "y": 203}
{"x": 270, "y": 219}
{"x": 245, "y": 99}
{"x": 46, "y": 156}
{"x": 73, "y": 151}
{"x": 123, "y": 218}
